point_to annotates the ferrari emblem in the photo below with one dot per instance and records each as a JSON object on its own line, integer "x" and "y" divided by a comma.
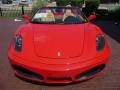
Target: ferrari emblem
{"x": 59, "y": 54}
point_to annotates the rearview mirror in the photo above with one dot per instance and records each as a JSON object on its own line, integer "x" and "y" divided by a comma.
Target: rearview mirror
{"x": 26, "y": 18}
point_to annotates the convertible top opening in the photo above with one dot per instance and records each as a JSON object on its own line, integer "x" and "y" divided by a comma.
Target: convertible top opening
{"x": 59, "y": 15}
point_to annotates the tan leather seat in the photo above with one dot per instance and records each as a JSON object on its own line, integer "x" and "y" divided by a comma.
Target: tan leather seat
{"x": 49, "y": 17}
{"x": 67, "y": 13}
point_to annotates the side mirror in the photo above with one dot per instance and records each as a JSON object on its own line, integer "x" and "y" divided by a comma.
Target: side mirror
{"x": 26, "y": 18}
{"x": 91, "y": 17}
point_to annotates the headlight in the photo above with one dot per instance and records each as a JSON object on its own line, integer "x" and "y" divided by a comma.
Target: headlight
{"x": 18, "y": 43}
{"x": 100, "y": 42}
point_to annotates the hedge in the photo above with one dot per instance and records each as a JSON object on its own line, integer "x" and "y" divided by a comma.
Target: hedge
{"x": 77, "y": 3}
{"x": 63, "y": 2}
{"x": 91, "y": 6}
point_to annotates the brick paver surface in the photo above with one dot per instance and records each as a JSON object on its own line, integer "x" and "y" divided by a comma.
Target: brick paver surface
{"x": 110, "y": 80}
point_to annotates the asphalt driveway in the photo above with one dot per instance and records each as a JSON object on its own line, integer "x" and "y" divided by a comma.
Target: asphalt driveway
{"x": 110, "y": 80}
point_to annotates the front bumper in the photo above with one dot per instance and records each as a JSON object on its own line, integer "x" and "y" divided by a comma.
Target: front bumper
{"x": 48, "y": 73}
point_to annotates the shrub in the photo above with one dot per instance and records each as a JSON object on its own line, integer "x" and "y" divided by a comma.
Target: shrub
{"x": 91, "y": 6}
{"x": 63, "y": 2}
{"x": 77, "y": 3}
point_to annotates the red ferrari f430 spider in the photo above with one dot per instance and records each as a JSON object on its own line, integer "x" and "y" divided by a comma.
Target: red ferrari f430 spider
{"x": 58, "y": 45}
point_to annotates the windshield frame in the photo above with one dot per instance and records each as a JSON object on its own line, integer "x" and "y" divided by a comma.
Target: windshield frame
{"x": 82, "y": 14}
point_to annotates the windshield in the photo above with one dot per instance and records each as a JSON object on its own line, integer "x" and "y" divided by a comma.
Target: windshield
{"x": 58, "y": 15}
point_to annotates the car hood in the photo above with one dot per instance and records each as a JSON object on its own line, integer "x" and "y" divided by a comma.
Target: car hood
{"x": 58, "y": 41}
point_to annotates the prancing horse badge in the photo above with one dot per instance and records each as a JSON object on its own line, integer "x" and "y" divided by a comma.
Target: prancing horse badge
{"x": 59, "y": 54}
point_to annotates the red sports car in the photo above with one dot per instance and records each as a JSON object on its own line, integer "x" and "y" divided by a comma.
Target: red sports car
{"x": 58, "y": 45}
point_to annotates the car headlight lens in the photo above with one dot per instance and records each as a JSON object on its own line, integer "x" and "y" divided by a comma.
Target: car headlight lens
{"x": 18, "y": 43}
{"x": 100, "y": 42}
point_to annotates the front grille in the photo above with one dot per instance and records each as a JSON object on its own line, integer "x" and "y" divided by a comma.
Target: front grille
{"x": 27, "y": 73}
{"x": 59, "y": 79}
{"x": 90, "y": 72}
